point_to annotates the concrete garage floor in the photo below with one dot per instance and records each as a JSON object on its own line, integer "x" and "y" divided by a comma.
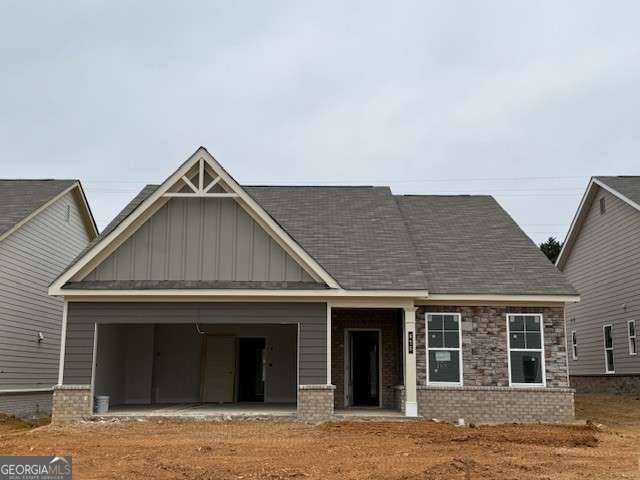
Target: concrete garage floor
{"x": 238, "y": 410}
{"x": 198, "y": 410}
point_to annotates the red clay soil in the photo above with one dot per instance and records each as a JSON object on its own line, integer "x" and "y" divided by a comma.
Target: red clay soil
{"x": 352, "y": 450}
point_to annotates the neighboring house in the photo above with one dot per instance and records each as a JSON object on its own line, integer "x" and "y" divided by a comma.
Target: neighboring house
{"x": 315, "y": 298}
{"x": 601, "y": 258}
{"x": 44, "y": 224}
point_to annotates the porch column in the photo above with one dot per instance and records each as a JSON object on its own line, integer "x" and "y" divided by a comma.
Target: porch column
{"x": 409, "y": 346}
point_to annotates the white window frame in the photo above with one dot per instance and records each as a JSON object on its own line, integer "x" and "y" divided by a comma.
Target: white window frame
{"x": 426, "y": 338}
{"x": 604, "y": 345}
{"x": 574, "y": 345}
{"x": 633, "y": 338}
{"x": 541, "y": 350}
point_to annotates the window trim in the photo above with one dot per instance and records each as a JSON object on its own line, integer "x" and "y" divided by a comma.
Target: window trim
{"x": 635, "y": 337}
{"x": 574, "y": 345}
{"x": 604, "y": 349}
{"x": 541, "y": 350}
{"x": 459, "y": 383}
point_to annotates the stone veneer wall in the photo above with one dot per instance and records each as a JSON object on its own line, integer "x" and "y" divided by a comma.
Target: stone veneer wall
{"x": 484, "y": 344}
{"x": 315, "y": 402}
{"x": 390, "y": 324}
{"x": 71, "y": 403}
{"x": 617, "y": 384}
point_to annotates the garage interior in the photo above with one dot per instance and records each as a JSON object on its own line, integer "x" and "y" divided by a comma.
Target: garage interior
{"x": 197, "y": 368}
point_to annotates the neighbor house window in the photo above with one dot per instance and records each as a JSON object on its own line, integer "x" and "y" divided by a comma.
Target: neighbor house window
{"x": 603, "y": 207}
{"x": 633, "y": 345}
{"x": 607, "y": 331}
{"x": 444, "y": 357}
{"x": 526, "y": 351}
{"x": 574, "y": 345}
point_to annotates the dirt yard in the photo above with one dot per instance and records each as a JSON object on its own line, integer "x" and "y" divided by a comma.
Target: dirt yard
{"x": 352, "y": 450}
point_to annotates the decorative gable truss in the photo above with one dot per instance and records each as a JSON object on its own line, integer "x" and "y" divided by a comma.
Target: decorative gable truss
{"x": 201, "y": 176}
{"x": 201, "y": 181}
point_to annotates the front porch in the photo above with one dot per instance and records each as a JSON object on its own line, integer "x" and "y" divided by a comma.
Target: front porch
{"x": 366, "y": 358}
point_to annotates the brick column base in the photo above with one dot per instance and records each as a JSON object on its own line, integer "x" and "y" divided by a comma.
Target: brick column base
{"x": 71, "y": 403}
{"x": 315, "y": 402}
{"x": 399, "y": 400}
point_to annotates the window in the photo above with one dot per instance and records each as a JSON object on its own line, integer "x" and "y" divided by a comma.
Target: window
{"x": 574, "y": 345}
{"x": 602, "y": 206}
{"x": 633, "y": 345}
{"x": 609, "y": 366}
{"x": 526, "y": 352}
{"x": 444, "y": 356}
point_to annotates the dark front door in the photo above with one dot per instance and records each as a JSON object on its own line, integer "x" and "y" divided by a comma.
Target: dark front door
{"x": 365, "y": 368}
{"x": 251, "y": 370}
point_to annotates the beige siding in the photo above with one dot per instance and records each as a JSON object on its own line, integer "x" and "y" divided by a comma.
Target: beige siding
{"x": 30, "y": 258}
{"x": 604, "y": 266}
{"x": 200, "y": 239}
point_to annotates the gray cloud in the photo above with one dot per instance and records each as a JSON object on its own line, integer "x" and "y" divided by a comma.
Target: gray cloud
{"x": 521, "y": 100}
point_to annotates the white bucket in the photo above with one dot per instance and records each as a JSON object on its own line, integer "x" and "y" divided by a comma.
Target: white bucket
{"x": 102, "y": 403}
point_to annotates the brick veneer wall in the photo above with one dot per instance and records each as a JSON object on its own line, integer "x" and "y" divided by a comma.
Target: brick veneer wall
{"x": 28, "y": 404}
{"x": 496, "y": 404}
{"x": 71, "y": 403}
{"x": 399, "y": 398}
{"x": 315, "y": 402}
{"x": 620, "y": 384}
{"x": 484, "y": 344}
{"x": 390, "y": 324}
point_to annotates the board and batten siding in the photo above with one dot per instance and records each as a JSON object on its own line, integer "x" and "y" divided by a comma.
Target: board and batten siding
{"x": 200, "y": 239}
{"x": 82, "y": 317}
{"x": 30, "y": 259}
{"x": 604, "y": 266}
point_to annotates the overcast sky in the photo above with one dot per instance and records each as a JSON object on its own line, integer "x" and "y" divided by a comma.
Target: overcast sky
{"x": 521, "y": 100}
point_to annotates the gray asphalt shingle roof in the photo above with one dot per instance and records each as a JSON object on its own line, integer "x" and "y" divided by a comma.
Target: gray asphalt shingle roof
{"x": 20, "y": 198}
{"x": 628, "y": 186}
{"x": 367, "y": 238}
{"x": 469, "y": 244}
{"x": 355, "y": 233}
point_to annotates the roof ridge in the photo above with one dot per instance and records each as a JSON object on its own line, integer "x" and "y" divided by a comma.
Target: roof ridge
{"x": 316, "y": 186}
{"x": 484, "y": 195}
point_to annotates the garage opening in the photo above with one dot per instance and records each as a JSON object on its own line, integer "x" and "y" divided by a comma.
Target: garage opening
{"x": 195, "y": 369}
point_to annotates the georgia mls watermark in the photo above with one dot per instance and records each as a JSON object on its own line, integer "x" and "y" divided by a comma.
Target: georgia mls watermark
{"x": 35, "y": 468}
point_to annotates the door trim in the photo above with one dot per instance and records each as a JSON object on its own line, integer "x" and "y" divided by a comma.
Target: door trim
{"x": 347, "y": 363}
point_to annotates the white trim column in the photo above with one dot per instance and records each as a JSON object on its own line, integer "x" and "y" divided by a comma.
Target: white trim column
{"x": 410, "y": 377}
{"x": 328, "y": 344}
{"x": 63, "y": 342}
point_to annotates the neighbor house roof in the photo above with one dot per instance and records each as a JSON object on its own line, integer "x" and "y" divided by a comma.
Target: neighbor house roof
{"x": 21, "y": 198}
{"x": 367, "y": 238}
{"x": 626, "y": 188}
{"x": 467, "y": 244}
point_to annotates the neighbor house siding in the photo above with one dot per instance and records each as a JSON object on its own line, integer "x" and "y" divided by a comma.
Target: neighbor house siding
{"x": 30, "y": 258}
{"x": 200, "y": 239}
{"x": 604, "y": 266}
{"x": 311, "y": 318}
